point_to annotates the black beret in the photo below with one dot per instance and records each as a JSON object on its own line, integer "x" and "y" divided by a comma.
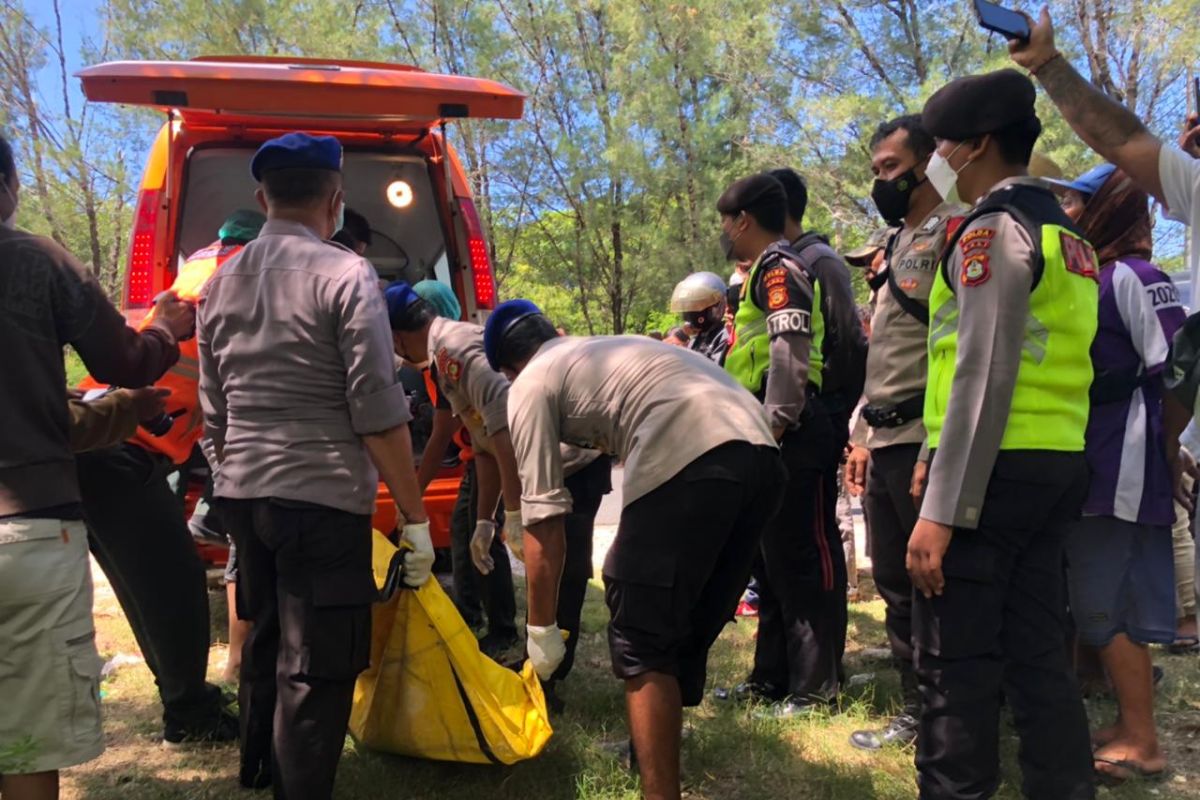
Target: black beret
{"x": 761, "y": 189}
{"x": 979, "y": 104}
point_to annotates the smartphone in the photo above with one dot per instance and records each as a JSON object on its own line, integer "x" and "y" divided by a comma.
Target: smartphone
{"x": 1196, "y": 95}
{"x": 1001, "y": 20}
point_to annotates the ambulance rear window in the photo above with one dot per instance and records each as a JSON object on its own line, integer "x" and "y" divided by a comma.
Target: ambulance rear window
{"x": 392, "y": 191}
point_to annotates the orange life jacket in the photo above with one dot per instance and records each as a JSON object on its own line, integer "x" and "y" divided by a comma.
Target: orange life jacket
{"x": 461, "y": 437}
{"x": 183, "y": 379}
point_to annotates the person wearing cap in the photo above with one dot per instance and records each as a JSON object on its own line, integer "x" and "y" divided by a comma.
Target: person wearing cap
{"x": 696, "y": 498}
{"x": 1120, "y": 555}
{"x": 889, "y": 433}
{"x": 473, "y": 395}
{"x": 776, "y": 355}
{"x": 440, "y": 296}
{"x": 869, "y": 256}
{"x": 1013, "y": 311}
{"x": 139, "y": 534}
{"x": 305, "y": 414}
{"x": 700, "y": 300}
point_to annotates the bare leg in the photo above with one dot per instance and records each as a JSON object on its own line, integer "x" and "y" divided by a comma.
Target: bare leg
{"x": 34, "y": 786}
{"x": 238, "y": 631}
{"x": 655, "y": 724}
{"x": 1128, "y": 666}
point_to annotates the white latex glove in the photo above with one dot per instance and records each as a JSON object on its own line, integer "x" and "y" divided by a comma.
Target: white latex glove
{"x": 418, "y": 562}
{"x": 514, "y": 533}
{"x": 546, "y": 649}
{"x": 481, "y": 544}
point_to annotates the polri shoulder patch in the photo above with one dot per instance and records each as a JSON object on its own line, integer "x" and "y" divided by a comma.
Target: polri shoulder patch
{"x": 976, "y": 268}
{"x": 976, "y": 240}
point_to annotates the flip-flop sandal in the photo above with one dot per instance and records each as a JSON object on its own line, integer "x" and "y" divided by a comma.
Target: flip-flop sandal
{"x": 1136, "y": 772}
{"x": 1184, "y": 646}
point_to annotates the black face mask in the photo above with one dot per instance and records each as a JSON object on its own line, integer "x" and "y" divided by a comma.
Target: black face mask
{"x": 892, "y": 197}
{"x": 726, "y": 246}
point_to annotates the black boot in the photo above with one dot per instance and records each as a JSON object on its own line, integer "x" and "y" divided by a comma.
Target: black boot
{"x": 900, "y": 731}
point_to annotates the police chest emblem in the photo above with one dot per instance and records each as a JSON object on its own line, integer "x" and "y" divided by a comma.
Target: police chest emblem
{"x": 931, "y": 224}
{"x": 909, "y": 284}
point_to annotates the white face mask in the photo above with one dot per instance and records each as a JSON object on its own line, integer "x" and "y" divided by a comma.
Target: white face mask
{"x": 11, "y": 220}
{"x": 944, "y": 177}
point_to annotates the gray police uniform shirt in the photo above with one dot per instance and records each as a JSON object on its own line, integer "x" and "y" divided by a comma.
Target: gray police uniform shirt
{"x": 655, "y": 407}
{"x": 477, "y": 394}
{"x": 992, "y": 321}
{"x": 898, "y": 359}
{"x": 296, "y": 365}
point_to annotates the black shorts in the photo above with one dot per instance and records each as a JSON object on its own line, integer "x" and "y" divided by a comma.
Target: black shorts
{"x": 681, "y": 560}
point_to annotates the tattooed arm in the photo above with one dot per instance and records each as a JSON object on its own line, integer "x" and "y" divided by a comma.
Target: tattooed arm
{"x": 1105, "y": 125}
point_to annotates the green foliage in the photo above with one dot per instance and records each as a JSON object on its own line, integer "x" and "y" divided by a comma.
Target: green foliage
{"x": 639, "y": 113}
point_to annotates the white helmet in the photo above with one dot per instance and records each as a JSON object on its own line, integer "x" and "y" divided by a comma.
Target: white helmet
{"x": 697, "y": 292}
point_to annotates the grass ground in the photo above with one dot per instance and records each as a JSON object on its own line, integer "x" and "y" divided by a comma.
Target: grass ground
{"x": 728, "y": 755}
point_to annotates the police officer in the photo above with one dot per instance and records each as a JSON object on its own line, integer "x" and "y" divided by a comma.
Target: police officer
{"x": 700, "y": 299}
{"x": 890, "y": 433}
{"x": 302, "y": 404}
{"x": 776, "y": 355}
{"x": 1013, "y": 311}
{"x": 470, "y": 391}
{"x": 696, "y": 498}
{"x": 140, "y": 537}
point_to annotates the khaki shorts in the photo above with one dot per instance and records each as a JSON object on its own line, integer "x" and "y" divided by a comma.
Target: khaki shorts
{"x": 49, "y": 667}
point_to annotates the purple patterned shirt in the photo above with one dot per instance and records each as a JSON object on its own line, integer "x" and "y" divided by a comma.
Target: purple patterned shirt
{"x": 1139, "y": 314}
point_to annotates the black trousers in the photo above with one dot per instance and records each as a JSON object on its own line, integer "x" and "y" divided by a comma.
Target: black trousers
{"x": 139, "y": 536}
{"x": 999, "y": 628}
{"x": 304, "y": 580}
{"x": 893, "y": 514}
{"x": 474, "y": 592}
{"x": 587, "y": 488}
{"x": 801, "y": 573}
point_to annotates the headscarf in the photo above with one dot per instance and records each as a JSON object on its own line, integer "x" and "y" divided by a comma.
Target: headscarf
{"x": 1116, "y": 220}
{"x": 440, "y": 296}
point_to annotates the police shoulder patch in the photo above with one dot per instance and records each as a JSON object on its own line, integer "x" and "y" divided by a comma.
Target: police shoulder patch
{"x": 1079, "y": 256}
{"x": 776, "y": 276}
{"x": 449, "y": 368}
{"x": 976, "y": 268}
{"x": 777, "y": 298}
{"x": 793, "y": 320}
{"x": 976, "y": 240}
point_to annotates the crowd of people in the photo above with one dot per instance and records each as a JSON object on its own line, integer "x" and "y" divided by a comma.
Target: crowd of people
{"x": 1013, "y": 429}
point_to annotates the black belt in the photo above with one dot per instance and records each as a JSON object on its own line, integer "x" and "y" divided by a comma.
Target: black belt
{"x": 894, "y": 416}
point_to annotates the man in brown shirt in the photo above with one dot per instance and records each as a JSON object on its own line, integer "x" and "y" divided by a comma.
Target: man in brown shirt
{"x": 48, "y": 300}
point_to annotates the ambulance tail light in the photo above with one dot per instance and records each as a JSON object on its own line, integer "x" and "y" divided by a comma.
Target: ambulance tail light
{"x": 139, "y": 280}
{"x": 482, "y": 277}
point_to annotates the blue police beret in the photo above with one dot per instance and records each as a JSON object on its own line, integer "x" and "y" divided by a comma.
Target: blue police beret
{"x": 399, "y": 297}
{"x": 506, "y": 315}
{"x": 297, "y": 151}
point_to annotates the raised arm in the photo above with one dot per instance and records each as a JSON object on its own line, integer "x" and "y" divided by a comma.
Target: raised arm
{"x": 1108, "y": 127}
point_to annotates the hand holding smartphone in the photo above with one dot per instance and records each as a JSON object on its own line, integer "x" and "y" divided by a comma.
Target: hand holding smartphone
{"x": 1004, "y": 21}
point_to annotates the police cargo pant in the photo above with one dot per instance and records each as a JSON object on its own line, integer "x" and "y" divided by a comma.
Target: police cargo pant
{"x": 801, "y": 573}
{"x": 587, "y": 487}
{"x": 139, "y": 536}
{"x": 304, "y": 580}
{"x": 997, "y": 629}
{"x": 890, "y": 507}
{"x": 474, "y": 592}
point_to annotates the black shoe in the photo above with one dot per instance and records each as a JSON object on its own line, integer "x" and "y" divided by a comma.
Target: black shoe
{"x": 791, "y": 708}
{"x": 751, "y": 692}
{"x": 221, "y": 726}
{"x": 255, "y": 774}
{"x": 900, "y": 731}
{"x": 496, "y": 645}
{"x": 554, "y": 703}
